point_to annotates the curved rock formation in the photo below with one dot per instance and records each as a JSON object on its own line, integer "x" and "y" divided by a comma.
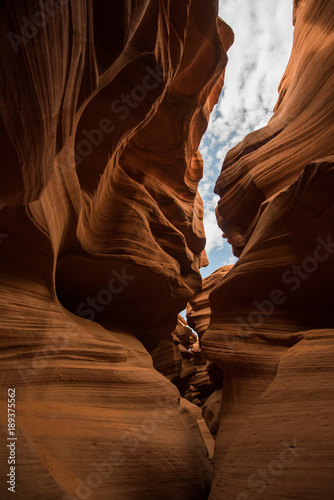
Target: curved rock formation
{"x": 173, "y": 357}
{"x": 301, "y": 130}
{"x": 103, "y": 108}
{"x": 272, "y": 320}
{"x": 101, "y": 239}
{"x": 206, "y": 386}
{"x": 198, "y": 308}
{"x": 180, "y": 360}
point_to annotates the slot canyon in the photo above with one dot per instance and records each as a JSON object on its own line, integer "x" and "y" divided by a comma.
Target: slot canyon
{"x": 107, "y": 392}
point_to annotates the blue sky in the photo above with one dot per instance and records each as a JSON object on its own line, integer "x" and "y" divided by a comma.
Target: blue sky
{"x": 257, "y": 60}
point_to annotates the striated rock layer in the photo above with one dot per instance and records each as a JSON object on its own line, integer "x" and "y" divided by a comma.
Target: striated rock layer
{"x": 198, "y": 317}
{"x": 198, "y": 308}
{"x": 272, "y": 320}
{"x": 301, "y": 130}
{"x": 102, "y": 110}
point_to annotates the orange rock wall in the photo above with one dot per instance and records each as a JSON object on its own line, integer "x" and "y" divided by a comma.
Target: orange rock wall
{"x": 272, "y": 321}
{"x": 103, "y": 108}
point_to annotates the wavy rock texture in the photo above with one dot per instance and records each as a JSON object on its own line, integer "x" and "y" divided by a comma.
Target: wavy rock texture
{"x": 198, "y": 308}
{"x": 301, "y": 130}
{"x": 173, "y": 357}
{"x": 206, "y": 386}
{"x": 180, "y": 360}
{"x": 272, "y": 320}
{"x": 100, "y": 125}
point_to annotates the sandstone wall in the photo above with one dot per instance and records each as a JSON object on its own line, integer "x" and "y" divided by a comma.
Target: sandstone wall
{"x": 271, "y": 328}
{"x": 103, "y": 108}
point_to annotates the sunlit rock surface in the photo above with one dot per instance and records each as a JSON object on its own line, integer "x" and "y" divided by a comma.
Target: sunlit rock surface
{"x": 103, "y": 108}
{"x": 198, "y": 308}
{"x": 301, "y": 130}
{"x": 272, "y": 317}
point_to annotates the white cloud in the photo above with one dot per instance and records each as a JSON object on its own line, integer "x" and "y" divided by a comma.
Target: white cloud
{"x": 257, "y": 60}
{"x": 214, "y": 237}
{"x": 232, "y": 260}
